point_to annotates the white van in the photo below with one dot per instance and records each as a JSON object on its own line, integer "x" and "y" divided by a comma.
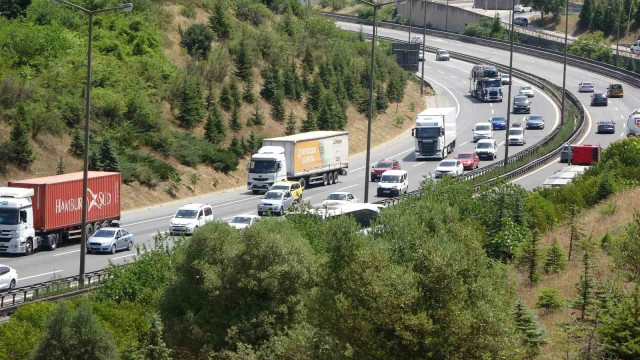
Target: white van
{"x": 189, "y": 218}
{"x": 487, "y": 149}
{"x": 393, "y": 183}
{"x": 482, "y": 130}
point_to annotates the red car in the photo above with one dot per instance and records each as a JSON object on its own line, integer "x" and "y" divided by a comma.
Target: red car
{"x": 382, "y": 166}
{"x": 469, "y": 160}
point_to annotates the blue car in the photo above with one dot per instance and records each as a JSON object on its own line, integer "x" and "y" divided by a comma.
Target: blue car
{"x": 498, "y": 123}
{"x": 534, "y": 122}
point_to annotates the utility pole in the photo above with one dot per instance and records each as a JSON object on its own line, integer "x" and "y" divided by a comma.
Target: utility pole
{"x": 424, "y": 36}
{"x": 506, "y": 143}
{"x": 564, "y": 65}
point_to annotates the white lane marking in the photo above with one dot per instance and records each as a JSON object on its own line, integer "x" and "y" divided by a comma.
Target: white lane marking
{"x": 450, "y": 93}
{"x": 420, "y": 163}
{"x": 491, "y": 111}
{"x": 237, "y": 201}
{"x": 502, "y": 143}
{"x": 464, "y": 82}
{"x": 121, "y": 257}
{"x": 617, "y": 109}
{"x": 441, "y": 72}
{"x": 348, "y": 187}
{"x": 491, "y": 104}
{"x": 453, "y": 76}
{"x": 146, "y": 221}
{"x": 68, "y": 252}
{"x": 402, "y": 153}
{"x": 622, "y": 117}
{"x": 463, "y": 143}
{"x": 354, "y": 170}
{"x": 622, "y": 134}
{"x": 624, "y": 125}
{"x": 43, "y": 274}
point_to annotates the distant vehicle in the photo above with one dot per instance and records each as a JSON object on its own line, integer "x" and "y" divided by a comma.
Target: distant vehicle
{"x": 606, "y": 126}
{"x": 243, "y": 221}
{"x": 633, "y": 123}
{"x": 527, "y": 8}
{"x": 110, "y": 239}
{"x": 442, "y": 55}
{"x": 382, "y": 166}
{"x": 469, "y": 160}
{"x": 534, "y": 122}
{"x": 340, "y": 197}
{"x": 294, "y": 187}
{"x": 416, "y": 40}
{"x": 482, "y": 130}
{"x": 521, "y": 21}
{"x": 189, "y": 217}
{"x": 516, "y": 136}
{"x": 564, "y": 176}
{"x": 585, "y": 154}
{"x": 484, "y": 83}
{"x": 586, "y": 86}
{"x": 487, "y": 149}
{"x": 635, "y": 47}
{"x": 518, "y": 9}
{"x": 8, "y": 278}
{"x": 505, "y": 79}
{"x": 516, "y": 125}
{"x": 526, "y": 91}
{"x": 453, "y": 168}
{"x": 599, "y": 99}
{"x": 420, "y": 55}
{"x": 275, "y": 202}
{"x": 498, "y": 123}
{"x": 521, "y": 104}
{"x": 393, "y": 183}
{"x": 565, "y": 154}
{"x": 435, "y": 133}
{"x": 615, "y": 90}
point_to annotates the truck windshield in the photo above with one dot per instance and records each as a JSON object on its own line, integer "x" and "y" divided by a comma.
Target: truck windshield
{"x": 492, "y": 83}
{"x": 390, "y": 179}
{"x": 186, "y": 214}
{"x": 8, "y": 217}
{"x": 427, "y": 133}
{"x": 263, "y": 166}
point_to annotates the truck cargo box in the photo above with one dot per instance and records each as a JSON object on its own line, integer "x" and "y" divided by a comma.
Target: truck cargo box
{"x": 585, "y": 154}
{"x": 57, "y": 200}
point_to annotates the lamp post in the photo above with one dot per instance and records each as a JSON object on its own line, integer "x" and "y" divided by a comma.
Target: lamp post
{"x": 409, "y": 21}
{"x": 618, "y": 35}
{"x": 375, "y": 6}
{"x": 424, "y": 37}
{"x": 564, "y": 66}
{"x": 506, "y": 143}
{"x": 85, "y": 177}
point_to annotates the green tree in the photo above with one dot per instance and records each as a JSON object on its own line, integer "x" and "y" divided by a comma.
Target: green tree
{"x": 631, "y": 65}
{"x": 272, "y": 83}
{"x": 253, "y": 144}
{"x": 292, "y": 83}
{"x": 211, "y": 97}
{"x": 277, "y": 107}
{"x": 22, "y": 153}
{"x": 243, "y": 61}
{"x": 382, "y": 101}
{"x": 609, "y": 17}
{"x": 84, "y": 336}
{"x": 586, "y": 284}
{"x": 257, "y": 118}
{"x": 153, "y": 346}
{"x": 248, "y": 96}
{"x": 546, "y": 6}
{"x": 12, "y": 9}
{"x": 309, "y": 123}
{"x": 94, "y": 160}
{"x": 597, "y": 17}
{"x": 555, "y": 259}
{"x": 215, "y": 129}
{"x": 606, "y": 186}
{"x": 533, "y": 335}
{"x": 197, "y": 40}
{"x": 236, "y": 147}
{"x": 291, "y": 125}
{"x": 76, "y": 149}
{"x": 626, "y": 251}
{"x": 190, "y": 104}
{"x": 108, "y": 159}
{"x": 308, "y": 61}
{"x": 575, "y": 234}
{"x": 529, "y": 257}
{"x": 549, "y": 300}
{"x": 60, "y": 168}
{"x": 226, "y": 98}
{"x": 235, "y": 93}
{"x": 496, "y": 26}
{"x": 234, "y": 123}
{"x": 620, "y": 328}
{"x": 585, "y": 14}
{"x": 220, "y": 21}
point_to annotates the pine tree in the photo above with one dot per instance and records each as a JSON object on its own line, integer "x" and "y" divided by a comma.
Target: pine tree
{"x": 235, "y": 93}
{"x": 533, "y": 334}
{"x": 94, "y": 160}
{"x": 22, "y": 153}
{"x": 243, "y": 146}
{"x": 153, "y": 346}
{"x": 308, "y": 62}
{"x": 220, "y": 21}
{"x": 210, "y": 130}
{"x": 382, "y": 101}
{"x": 211, "y": 97}
{"x": 190, "y": 105}
{"x": 108, "y": 158}
{"x": 586, "y": 284}
{"x": 530, "y": 258}
{"x": 248, "y": 96}
{"x": 585, "y": 14}
{"x": 76, "y": 149}
{"x": 574, "y": 229}
{"x": 289, "y": 84}
{"x": 323, "y": 120}
{"x": 253, "y": 142}
{"x": 496, "y": 26}
{"x": 519, "y": 211}
{"x": 291, "y": 125}
{"x": 620, "y": 329}
{"x": 309, "y": 123}
{"x": 215, "y": 129}
{"x": 235, "y": 147}
{"x": 226, "y": 100}
{"x": 555, "y": 259}
{"x": 60, "y": 169}
{"x": 395, "y": 89}
{"x": 631, "y": 65}
{"x": 257, "y": 118}
{"x": 597, "y": 16}
{"x": 272, "y": 83}
{"x": 609, "y": 17}
{"x": 278, "y": 109}
{"x": 317, "y": 95}
{"x": 235, "y": 124}
{"x": 244, "y": 64}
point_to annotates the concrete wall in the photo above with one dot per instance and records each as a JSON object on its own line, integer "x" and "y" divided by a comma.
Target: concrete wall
{"x": 439, "y": 16}
{"x": 493, "y": 4}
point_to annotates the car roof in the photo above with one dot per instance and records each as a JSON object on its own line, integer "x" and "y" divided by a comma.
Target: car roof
{"x": 286, "y": 182}
{"x": 192, "y": 206}
{"x": 340, "y": 192}
{"x": 486, "y": 123}
{"x": 111, "y": 228}
{"x": 482, "y": 141}
{"x": 394, "y": 172}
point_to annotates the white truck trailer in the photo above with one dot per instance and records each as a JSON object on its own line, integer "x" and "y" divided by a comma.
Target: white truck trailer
{"x": 633, "y": 123}
{"x": 316, "y": 157}
{"x": 435, "y": 133}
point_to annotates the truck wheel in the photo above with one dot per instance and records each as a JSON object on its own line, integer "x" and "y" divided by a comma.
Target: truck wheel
{"x": 113, "y": 249}
{"x": 52, "y": 241}
{"x": 330, "y": 177}
{"x": 324, "y": 179}
{"x": 335, "y": 177}
{"x": 28, "y": 249}
{"x": 105, "y": 224}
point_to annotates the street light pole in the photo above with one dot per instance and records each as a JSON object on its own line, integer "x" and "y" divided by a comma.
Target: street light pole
{"x": 85, "y": 171}
{"x": 618, "y": 36}
{"x": 506, "y": 143}
{"x": 424, "y": 38}
{"x": 409, "y": 21}
{"x": 564, "y": 66}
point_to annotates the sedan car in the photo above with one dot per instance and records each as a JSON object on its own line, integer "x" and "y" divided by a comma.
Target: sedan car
{"x": 275, "y": 202}
{"x": 110, "y": 239}
{"x": 606, "y": 127}
{"x": 516, "y": 136}
{"x": 340, "y": 197}
{"x": 498, "y": 123}
{"x": 599, "y": 99}
{"x": 382, "y": 166}
{"x": 615, "y": 90}
{"x": 469, "y": 160}
{"x": 534, "y": 122}
{"x": 521, "y": 104}
{"x": 526, "y": 91}
{"x": 243, "y": 221}
{"x": 518, "y": 9}
{"x": 505, "y": 79}
{"x": 586, "y": 86}
{"x": 442, "y": 55}
{"x": 451, "y": 168}
{"x": 8, "y": 278}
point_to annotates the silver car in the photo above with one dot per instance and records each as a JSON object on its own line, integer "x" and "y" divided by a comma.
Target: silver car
{"x": 8, "y": 278}
{"x": 110, "y": 239}
{"x": 275, "y": 202}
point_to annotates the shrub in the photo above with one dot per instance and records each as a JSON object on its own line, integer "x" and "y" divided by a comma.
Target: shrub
{"x": 592, "y": 45}
{"x": 555, "y": 259}
{"x": 549, "y": 300}
{"x": 197, "y": 40}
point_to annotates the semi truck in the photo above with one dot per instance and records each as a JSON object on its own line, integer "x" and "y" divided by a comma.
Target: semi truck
{"x": 485, "y": 83}
{"x": 316, "y": 157}
{"x": 435, "y": 133}
{"x": 633, "y": 123}
{"x": 44, "y": 212}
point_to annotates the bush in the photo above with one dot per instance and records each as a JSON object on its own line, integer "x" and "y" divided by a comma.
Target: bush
{"x": 555, "y": 259}
{"x": 197, "y": 39}
{"x": 592, "y": 45}
{"x": 549, "y": 300}
{"x": 252, "y": 10}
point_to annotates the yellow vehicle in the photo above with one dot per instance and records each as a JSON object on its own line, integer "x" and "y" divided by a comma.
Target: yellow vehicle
{"x": 293, "y": 187}
{"x": 615, "y": 90}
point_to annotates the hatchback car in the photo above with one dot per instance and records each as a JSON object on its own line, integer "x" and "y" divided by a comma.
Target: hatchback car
{"x": 243, "y": 221}
{"x": 516, "y": 136}
{"x": 534, "y": 122}
{"x": 393, "y": 183}
{"x": 275, "y": 202}
{"x": 487, "y": 149}
{"x": 340, "y": 197}
{"x": 294, "y": 187}
{"x": 469, "y": 160}
{"x": 521, "y": 104}
{"x": 526, "y": 91}
{"x": 382, "y": 166}
{"x": 442, "y": 55}
{"x": 615, "y": 90}
{"x": 521, "y": 21}
{"x": 8, "y": 278}
{"x": 599, "y": 99}
{"x": 453, "y": 168}
{"x": 586, "y": 86}
{"x": 606, "y": 127}
{"x": 482, "y": 131}
{"x": 110, "y": 239}
{"x": 505, "y": 79}
{"x": 498, "y": 123}
{"x": 190, "y": 217}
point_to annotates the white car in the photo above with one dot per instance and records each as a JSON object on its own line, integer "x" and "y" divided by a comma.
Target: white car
{"x": 482, "y": 130}
{"x": 190, "y": 217}
{"x": 442, "y": 55}
{"x": 487, "y": 149}
{"x": 340, "y": 197}
{"x": 527, "y": 8}
{"x": 518, "y": 9}
{"x": 416, "y": 40}
{"x": 452, "y": 168}
{"x": 420, "y": 56}
{"x": 635, "y": 47}
{"x": 8, "y": 278}
{"x": 243, "y": 221}
{"x": 586, "y": 86}
{"x": 505, "y": 79}
{"x": 526, "y": 91}
{"x": 516, "y": 136}
{"x": 393, "y": 183}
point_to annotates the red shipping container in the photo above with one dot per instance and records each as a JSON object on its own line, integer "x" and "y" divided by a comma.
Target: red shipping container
{"x": 57, "y": 200}
{"x": 585, "y": 154}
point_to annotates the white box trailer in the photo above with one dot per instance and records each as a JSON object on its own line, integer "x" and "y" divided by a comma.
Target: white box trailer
{"x": 435, "y": 133}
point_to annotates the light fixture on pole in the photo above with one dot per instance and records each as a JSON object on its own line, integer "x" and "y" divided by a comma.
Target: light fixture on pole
{"x": 85, "y": 177}
{"x": 375, "y": 6}
{"x": 506, "y": 143}
{"x": 564, "y": 65}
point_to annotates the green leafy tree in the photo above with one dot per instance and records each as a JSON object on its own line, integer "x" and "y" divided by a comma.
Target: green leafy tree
{"x": 585, "y": 286}
{"x": 153, "y": 346}
{"x": 546, "y": 6}
{"x": 586, "y": 12}
{"x": 396, "y": 86}
{"x": 292, "y": 125}
{"x": 272, "y": 83}
{"x": 609, "y": 17}
{"x": 277, "y": 107}
{"x": 575, "y": 234}
{"x": 253, "y": 143}
{"x": 631, "y": 65}
{"x": 94, "y": 160}
{"x": 309, "y": 123}
{"x": 257, "y": 118}
{"x": 108, "y": 158}
{"x": 504, "y": 244}
{"x": 533, "y": 335}
{"x": 606, "y": 186}
{"x": 211, "y": 96}
{"x": 529, "y": 257}
{"x": 190, "y": 104}
{"x": 60, "y": 168}
{"x": 12, "y": 9}
{"x": 76, "y": 149}
{"x": 382, "y": 101}
{"x": 22, "y": 153}
{"x": 226, "y": 98}
{"x": 626, "y": 251}
{"x": 308, "y": 61}
{"x": 197, "y": 40}
{"x": 555, "y": 259}
{"x": 292, "y": 83}
{"x": 243, "y": 61}
{"x": 215, "y": 129}
{"x": 220, "y": 21}
{"x": 496, "y": 26}
{"x": 234, "y": 123}
{"x": 549, "y": 300}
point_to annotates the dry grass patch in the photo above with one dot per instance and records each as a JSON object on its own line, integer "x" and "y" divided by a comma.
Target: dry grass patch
{"x": 172, "y": 36}
{"x": 557, "y": 24}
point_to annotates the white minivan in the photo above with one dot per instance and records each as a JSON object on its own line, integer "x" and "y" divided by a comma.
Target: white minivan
{"x": 487, "y": 149}
{"x": 393, "y": 183}
{"x": 482, "y": 130}
{"x": 189, "y": 218}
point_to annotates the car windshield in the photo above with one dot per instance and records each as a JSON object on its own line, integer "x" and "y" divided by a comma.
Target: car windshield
{"x": 337, "y": 197}
{"x": 280, "y": 187}
{"x": 447, "y": 163}
{"x": 525, "y": 88}
{"x": 444, "y": 52}
{"x": 262, "y": 166}
{"x": 497, "y": 119}
{"x": 505, "y": 75}
{"x": 464, "y": 156}
{"x": 241, "y": 220}
{"x": 102, "y": 233}
{"x": 390, "y": 179}
{"x": 587, "y": 84}
{"x": 186, "y": 214}
{"x": 484, "y": 145}
{"x": 598, "y": 96}
{"x": 483, "y": 127}
{"x": 606, "y": 122}
{"x": 535, "y": 117}
{"x": 8, "y": 217}
{"x": 272, "y": 195}
{"x": 616, "y": 87}
{"x": 425, "y": 133}
{"x": 520, "y": 99}
{"x": 384, "y": 165}
{"x": 515, "y": 132}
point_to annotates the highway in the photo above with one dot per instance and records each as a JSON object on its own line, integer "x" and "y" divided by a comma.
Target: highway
{"x": 450, "y": 81}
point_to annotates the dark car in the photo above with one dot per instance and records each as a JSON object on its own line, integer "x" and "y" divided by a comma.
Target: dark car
{"x": 521, "y": 104}
{"x": 382, "y": 166}
{"x": 498, "y": 123}
{"x": 565, "y": 154}
{"x": 534, "y": 122}
{"x": 606, "y": 127}
{"x": 521, "y": 21}
{"x": 469, "y": 160}
{"x": 599, "y": 99}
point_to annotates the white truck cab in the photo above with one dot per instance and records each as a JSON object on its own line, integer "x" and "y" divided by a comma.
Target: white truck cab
{"x": 189, "y": 218}
{"x": 267, "y": 167}
{"x": 16, "y": 221}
